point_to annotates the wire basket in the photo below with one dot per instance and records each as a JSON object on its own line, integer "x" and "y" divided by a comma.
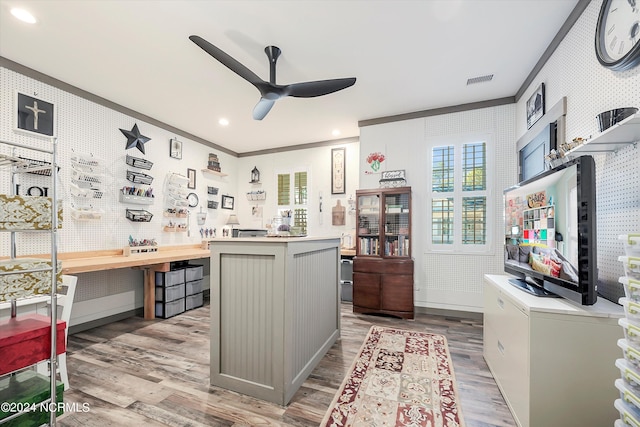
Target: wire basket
{"x": 137, "y": 162}
{"x": 212, "y": 204}
{"x": 84, "y": 193}
{"x": 86, "y": 160}
{"x": 36, "y": 167}
{"x": 139, "y": 177}
{"x": 212, "y": 190}
{"x": 138, "y": 215}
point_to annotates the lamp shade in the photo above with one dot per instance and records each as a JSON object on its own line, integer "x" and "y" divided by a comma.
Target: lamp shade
{"x": 233, "y": 220}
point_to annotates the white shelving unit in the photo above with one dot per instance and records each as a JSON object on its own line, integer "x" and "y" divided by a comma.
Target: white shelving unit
{"x": 18, "y": 166}
{"x": 613, "y": 139}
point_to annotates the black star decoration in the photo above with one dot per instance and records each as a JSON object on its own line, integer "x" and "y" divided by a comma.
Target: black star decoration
{"x": 134, "y": 139}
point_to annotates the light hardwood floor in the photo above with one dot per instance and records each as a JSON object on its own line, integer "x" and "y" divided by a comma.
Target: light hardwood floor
{"x": 137, "y": 372}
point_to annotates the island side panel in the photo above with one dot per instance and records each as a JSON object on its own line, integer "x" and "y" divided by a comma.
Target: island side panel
{"x": 247, "y": 304}
{"x": 313, "y": 308}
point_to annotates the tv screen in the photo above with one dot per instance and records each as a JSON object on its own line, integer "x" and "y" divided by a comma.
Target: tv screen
{"x": 550, "y": 232}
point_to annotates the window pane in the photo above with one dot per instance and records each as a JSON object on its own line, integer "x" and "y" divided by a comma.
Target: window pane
{"x": 300, "y": 188}
{"x": 442, "y": 223}
{"x": 283, "y": 189}
{"x": 474, "y": 212}
{"x": 474, "y": 163}
{"x": 300, "y": 219}
{"x": 442, "y": 169}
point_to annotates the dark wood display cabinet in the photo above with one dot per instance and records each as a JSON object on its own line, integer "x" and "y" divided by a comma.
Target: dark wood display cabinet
{"x": 383, "y": 267}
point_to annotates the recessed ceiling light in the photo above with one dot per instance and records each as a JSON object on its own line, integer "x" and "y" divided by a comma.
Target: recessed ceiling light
{"x": 335, "y": 132}
{"x": 23, "y": 15}
{"x": 223, "y": 122}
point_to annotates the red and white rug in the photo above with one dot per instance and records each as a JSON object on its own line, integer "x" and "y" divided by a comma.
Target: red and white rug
{"x": 399, "y": 378}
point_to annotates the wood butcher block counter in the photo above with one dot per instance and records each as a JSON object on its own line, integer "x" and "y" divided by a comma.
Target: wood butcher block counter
{"x": 275, "y": 311}
{"x": 85, "y": 262}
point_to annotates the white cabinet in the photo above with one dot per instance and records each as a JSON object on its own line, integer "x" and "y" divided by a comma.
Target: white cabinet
{"x": 553, "y": 361}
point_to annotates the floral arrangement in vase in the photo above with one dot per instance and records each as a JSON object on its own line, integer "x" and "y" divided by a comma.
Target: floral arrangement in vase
{"x": 374, "y": 160}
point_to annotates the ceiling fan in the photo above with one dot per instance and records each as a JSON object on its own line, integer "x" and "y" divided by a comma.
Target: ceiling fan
{"x": 270, "y": 91}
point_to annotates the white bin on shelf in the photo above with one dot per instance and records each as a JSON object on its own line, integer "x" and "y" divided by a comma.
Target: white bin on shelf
{"x": 631, "y": 266}
{"x": 631, "y": 244}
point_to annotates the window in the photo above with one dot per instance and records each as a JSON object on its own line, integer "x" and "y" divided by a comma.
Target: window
{"x": 459, "y": 199}
{"x": 294, "y": 187}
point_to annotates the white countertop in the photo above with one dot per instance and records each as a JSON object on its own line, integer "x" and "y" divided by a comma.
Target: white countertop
{"x": 529, "y": 303}
{"x": 275, "y": 239}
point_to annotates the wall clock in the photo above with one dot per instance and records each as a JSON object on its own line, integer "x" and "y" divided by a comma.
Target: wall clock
{"x": 192, "y": 198}
{"x": 618, "y": 34}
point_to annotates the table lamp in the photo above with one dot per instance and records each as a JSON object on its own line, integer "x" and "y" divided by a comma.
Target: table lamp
{"x": 233, "y": 220}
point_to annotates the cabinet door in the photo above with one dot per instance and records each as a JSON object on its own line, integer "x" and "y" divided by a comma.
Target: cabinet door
{"x": 366, "y": 290}
{"x": 368, "y": 226}
{"x": 397, "y": 292}
{"x": 397, "y": 225}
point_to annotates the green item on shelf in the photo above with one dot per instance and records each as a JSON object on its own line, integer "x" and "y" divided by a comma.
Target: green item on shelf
{"x": 27, "y": 387}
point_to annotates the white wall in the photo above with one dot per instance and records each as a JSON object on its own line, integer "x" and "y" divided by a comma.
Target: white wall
{"x": 444, "y": 281}
{"x": 89, "y": 128}
{"x": 454, "y": 281}
{"x": 573, "y": 71}
{"x": 317, "y": 162}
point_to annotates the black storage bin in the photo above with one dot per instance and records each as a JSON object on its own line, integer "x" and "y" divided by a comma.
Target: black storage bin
{"x": 193, "y": 287}
{"x": 164, "y": 310}
{"x": 194, "y": 301}
{"x": 170, "y": 293}
{"x": 169, "y": 278}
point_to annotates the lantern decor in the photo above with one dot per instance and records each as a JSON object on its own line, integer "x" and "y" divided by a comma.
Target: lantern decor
{"x": 255, "y": 176}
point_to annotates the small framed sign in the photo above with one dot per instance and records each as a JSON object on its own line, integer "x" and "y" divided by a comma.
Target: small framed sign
{"x": 337, "y": 171}
{"x": 35, "y": 116}
{"x": 535, "y": 106}
{"x": 175, "y": 148}
{"x": 227, "y": 202}
{"x": 191, "y": 174}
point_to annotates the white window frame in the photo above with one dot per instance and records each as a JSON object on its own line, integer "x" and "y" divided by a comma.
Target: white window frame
{"x": 292, "y": 206}
{"x": 457, "y": 247}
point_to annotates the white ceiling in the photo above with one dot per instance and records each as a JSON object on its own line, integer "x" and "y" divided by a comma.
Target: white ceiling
{"x": 406, "y": 55}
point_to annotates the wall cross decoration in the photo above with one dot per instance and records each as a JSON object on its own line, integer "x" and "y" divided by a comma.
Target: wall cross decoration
{"x": 35, "y": 115}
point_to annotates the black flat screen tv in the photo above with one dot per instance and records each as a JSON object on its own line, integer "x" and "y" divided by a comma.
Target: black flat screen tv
{"x": 550, "y": 232}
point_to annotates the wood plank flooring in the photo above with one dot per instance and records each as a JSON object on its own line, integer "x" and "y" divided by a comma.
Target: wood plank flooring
{"x": 156, "y": 373}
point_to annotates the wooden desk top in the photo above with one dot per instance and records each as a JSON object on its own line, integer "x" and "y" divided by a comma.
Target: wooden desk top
{"x": 84, "y": 262}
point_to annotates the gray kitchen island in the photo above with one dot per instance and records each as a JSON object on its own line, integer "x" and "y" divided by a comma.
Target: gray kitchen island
{"x": 275, "y": 312}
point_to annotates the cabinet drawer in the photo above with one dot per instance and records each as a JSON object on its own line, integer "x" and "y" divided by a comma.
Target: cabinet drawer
{"x": 366, "y": 290}
{"x": 506, "y": 348}
{"x": 382, "y": 266}
{"x": 397, "y": 292}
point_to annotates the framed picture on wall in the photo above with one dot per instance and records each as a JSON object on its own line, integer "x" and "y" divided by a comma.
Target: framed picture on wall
{"x": 191, "y": 174}
{"x": 535, "y": 106}
{"x": 227, "y": 202}
{"x": 175, "y": 149}
{"x": 34, "y": 116}
{"x": 337, "y": 171}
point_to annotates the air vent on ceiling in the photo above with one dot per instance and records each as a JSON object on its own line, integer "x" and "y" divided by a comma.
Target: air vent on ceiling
{"x": 480, "y": 79}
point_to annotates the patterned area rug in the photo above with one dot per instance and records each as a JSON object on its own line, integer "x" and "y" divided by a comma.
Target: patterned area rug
{"x": 399, "y": 378}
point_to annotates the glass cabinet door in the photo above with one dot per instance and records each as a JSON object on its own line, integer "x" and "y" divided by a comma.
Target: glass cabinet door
{"x": 368, "y": 231}
{"x": 396, "y": 225}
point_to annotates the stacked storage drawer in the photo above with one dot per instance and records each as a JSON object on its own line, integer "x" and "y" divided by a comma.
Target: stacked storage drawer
{"x": 629, "y": 385}
{"x": 193, "y": 287}
{"x": 170, "y": 293}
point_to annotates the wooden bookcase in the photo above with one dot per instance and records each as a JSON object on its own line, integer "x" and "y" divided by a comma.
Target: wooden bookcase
{"x": 383, "y": 267}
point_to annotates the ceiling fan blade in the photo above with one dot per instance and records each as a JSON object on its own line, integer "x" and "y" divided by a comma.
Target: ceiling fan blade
{"x": 317, "y": 88}
{"x": 262, "y": 108}
{"x": 227, "y": 61}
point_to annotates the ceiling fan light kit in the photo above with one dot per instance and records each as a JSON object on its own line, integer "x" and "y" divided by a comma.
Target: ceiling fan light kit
{"x": 270, "y": 92}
